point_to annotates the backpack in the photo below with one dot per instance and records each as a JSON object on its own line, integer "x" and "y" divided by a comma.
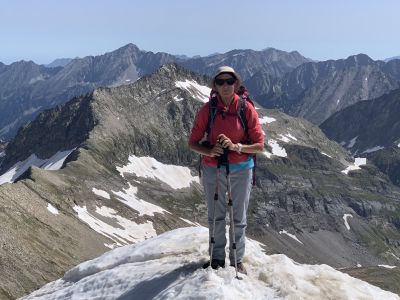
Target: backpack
{"x": 241, "y": 114}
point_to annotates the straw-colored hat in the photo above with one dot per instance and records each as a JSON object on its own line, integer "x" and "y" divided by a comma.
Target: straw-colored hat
{"x": 228, "y": 70}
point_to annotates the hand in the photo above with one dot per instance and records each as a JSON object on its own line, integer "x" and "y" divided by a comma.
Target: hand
{"x": 226, "y": 142}
{"x": 216, "y": 151}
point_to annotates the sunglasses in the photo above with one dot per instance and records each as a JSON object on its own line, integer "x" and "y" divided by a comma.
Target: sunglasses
{"x": 229, "y": 81}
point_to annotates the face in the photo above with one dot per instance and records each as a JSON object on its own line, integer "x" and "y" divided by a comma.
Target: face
{"x": 225, "y": 90}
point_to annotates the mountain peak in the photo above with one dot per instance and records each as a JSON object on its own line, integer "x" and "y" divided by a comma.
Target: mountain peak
{"x": 359, "y": 60}
{"x": 130, "y": 47}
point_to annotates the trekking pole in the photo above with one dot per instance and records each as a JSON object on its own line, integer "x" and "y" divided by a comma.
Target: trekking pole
{"x": 212, "y": 240}
{"x": 230, "y": 204}
{"x": 221, "y": 160}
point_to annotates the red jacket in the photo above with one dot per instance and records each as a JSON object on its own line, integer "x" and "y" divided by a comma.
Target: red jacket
{"x": 230, "y": 126}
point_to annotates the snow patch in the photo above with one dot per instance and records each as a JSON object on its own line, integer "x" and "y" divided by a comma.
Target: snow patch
{"x": 199, "y": 92}
{"x": 267, "y": 154}
{"x": 126, "y": 232}
{"x": 53, "y": 163}
{"x": 2, "y": 153}
{"x": 352, "y": 142}
{"x": 190, "y": 222}
{"x": 398, "y": 145}
{"x": 266, "y": 120}
{"x": 359, "y": 161}
{"x": 176, "y": 177}
{"x": 291, "y": 137}
{"x": 101, "y": 193}
{"x": 19, "y": 168}
{"x": 129, "y": 198}
{"x": 376, "y": 148}
{"x": 52, "y": 209}
{"x": 169, "y": 267}
{"x": 56, "y": 161}
{"x": 277, "y": 149}
{"x": 323, "y": 153}
{"x": 387, "y": 267}
{"x": 177, "y": 98}
{"x": 291, "y": 235}
{"x": 31, "y": 111}
{"x": 398, "y": 258}
{"x": 36, "y": 79}
{"x": 345, "y": 216}
{"x": 286, "y": 137}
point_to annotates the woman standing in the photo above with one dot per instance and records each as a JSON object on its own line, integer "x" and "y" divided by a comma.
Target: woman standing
{"x": 227, "y": 132}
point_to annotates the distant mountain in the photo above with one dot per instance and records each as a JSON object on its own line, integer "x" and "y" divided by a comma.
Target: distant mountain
{"x": 127, "y": 174}
{"x": 248, "y": 62}
{"x": 372, "y": 129}
{"x": 367, "y": 126}
{"x": 391, "y": 58}
{"x": 316, "y": 90}
{"x": 26, "y": 89}
{"x": 59, "y": 62}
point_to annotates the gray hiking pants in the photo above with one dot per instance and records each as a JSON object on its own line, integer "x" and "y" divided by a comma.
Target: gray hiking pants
{"x": 240, "y": 189}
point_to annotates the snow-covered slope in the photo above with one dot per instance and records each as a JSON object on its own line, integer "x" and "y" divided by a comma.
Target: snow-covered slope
{"x": 169, "y": 267}
{"x": 53, "y": 163}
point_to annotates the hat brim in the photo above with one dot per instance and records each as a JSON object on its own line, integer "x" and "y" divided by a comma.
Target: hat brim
{"x": 234, "y": 74}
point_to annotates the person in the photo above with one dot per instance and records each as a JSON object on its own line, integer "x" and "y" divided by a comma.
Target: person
{"x": 227, "y": 132}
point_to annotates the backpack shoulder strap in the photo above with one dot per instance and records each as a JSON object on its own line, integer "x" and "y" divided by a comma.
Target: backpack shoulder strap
{"x": 241, "y": 112}
{"x": 242, "y": 108}
{"x": 212, "y": 113}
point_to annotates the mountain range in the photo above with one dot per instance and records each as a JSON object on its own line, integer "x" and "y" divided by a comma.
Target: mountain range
{"x": 26, "y": 88}
{"x": 316, "y": 90}
{"x": 277, "y": 79}
{"x": 112, "y": 167}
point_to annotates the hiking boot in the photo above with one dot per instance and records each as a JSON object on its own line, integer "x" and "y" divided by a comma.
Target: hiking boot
{"x": 215, "y": 264}
{"x": 240, "y": 268}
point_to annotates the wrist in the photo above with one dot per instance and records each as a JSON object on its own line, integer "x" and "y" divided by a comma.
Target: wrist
{"x": 239, "y": 147}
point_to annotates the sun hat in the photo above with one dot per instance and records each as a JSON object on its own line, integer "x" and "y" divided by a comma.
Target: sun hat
{"x": 229, "y": 70}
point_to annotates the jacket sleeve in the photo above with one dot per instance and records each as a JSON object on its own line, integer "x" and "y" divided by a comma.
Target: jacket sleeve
{"x": 255, "y": 131}
{"x": 200, "y": 125}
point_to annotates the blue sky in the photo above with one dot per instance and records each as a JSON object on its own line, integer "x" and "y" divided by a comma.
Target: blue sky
{"x": 42, "y": 30}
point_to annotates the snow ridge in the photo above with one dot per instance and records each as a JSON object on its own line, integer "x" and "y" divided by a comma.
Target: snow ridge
{"x": 169, "y": 267}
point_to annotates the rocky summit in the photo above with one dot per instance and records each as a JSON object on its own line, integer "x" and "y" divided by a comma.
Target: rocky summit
{"x": 113, "y": 167}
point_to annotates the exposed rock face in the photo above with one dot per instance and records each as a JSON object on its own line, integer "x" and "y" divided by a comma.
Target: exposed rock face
{"x": 368, "y": 125}
{"x": 316, "y": 90}
{"x": 300, "y": 190}
{"x": 371, "y": 129}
